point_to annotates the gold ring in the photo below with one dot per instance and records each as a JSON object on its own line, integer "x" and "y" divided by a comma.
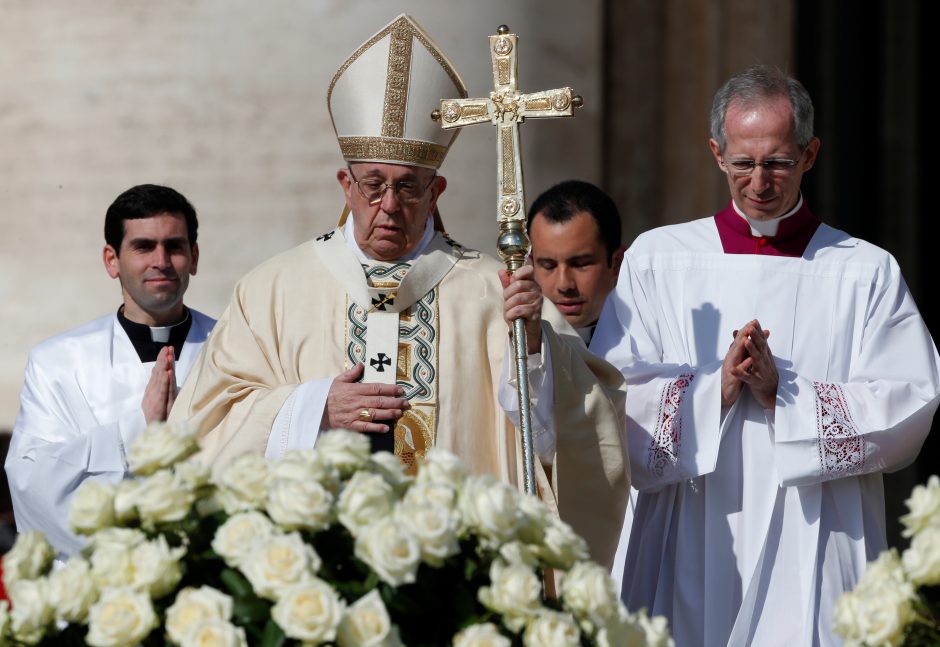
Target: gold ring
{"x": 365, "y": 415}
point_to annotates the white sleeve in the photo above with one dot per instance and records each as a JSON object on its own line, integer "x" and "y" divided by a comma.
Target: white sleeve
{"x": 51, "y": 455}
{"x": 877, "y": 419}
{"x": 297, "y": 423}
{"x": 542, "y": 396}
{"x": 674, "y": 418}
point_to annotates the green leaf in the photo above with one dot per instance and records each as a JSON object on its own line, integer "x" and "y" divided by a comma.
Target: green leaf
{"x": 236, "y": 583}
{"x": 273, "y": 635}
{"x": 250, "y": 610}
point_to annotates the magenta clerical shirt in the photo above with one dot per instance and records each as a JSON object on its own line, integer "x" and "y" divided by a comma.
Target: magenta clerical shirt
{"x": 793, "y": 234}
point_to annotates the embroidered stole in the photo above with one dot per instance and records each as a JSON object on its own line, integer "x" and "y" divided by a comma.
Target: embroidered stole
{"x": 392, "y": 328}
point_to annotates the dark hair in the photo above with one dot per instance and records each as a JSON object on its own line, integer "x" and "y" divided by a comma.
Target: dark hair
{"x": 756, "y": 84}
{"x": 146, "y": 201}
{"x": 566, "y": 199}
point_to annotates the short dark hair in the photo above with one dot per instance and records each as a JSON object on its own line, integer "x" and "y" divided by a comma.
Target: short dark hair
{"x": 146, "y": 201}
{"x": 566, "y": 199}
{"x": 754, "y": 85}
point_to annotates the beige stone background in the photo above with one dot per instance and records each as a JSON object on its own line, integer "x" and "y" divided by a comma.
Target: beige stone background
{"x": 225, "y": 101}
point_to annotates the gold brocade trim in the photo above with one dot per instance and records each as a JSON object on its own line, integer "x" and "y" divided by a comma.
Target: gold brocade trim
{"x": 473, "y": 110}
{"x": 509, "y": 167}
{"x": 503, "y": 71}
{"x": 415, "y": 435}
{"x": 541, "y": 103}
{"x": 396, "y": 82}
{"x": 404, "y": 361}
{"x": 401, "y": 151}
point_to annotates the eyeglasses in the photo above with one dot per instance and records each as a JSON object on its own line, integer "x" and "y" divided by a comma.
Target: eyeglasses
{"x": 406, "y": 191}
{"x": 745, "y": 167}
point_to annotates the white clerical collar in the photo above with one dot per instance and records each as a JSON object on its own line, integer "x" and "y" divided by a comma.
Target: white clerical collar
{"x": 767, "y": 227}
{"x": 349, "y": 231}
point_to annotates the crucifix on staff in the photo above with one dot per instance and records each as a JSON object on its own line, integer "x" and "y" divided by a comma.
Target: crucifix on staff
{"x": 506, "y": 108}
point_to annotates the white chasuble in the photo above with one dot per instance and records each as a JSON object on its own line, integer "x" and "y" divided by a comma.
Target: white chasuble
{"x": 79, "y": 410}
{"x": 749, "y": 523}
{"x": 305, "y": 316}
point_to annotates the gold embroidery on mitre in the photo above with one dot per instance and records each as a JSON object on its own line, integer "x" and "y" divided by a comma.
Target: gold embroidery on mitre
{"x": 396, "y": 80}
{"x": 401, "y": 151}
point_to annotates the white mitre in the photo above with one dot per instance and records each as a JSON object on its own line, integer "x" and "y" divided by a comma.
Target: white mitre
{"x": 381, "y": 98}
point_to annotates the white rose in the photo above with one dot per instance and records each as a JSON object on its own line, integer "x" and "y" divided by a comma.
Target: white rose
{"x": 922, "y": 560}
{"x": 240, "y": 534}
{"x": 389, "y": 467}
{"x": 111, "y": 538}
{"x": 159, "y": 446}
{"x": 297, "y": 504}
{"x": 112, "y": 567}
{"x": 306, "y": 465}
{"x": 655, "y": 630}
{"x": 31, "y": 614}
{"x": 590, "y": 593}
{"x": 441, "y": 466}
{"x": 514, "y": 591}
{"x": 491, "y": 509}
{"x": 883, "y": 615}
{"x": 431, "y": 492}
{"x": 551, "y": 629}
{"x": 156, "y": 567}
{"x": 924, "y": 506}
{"x": 561, "y": 546}
{"x": 214, "y": 633}
{"x": 390, "y": 549}
{"x": 347, "y": 451}
{"x": 280, "y": 562}
{"x": 161, "y": 498}
{"x": 193, "y": 606}
{"x": 482, "y": 635}
{"x": 28, "y": 559}
{"x": 92, "y": 507}
{"x": 367, "y": 624}
{"x": 515, "y": 552}
{"x": 624, "y": 630}
{"x": 125, "y": 500}
{"x": 120, "y": 618}
{"x": 243, "y": 485}
{"x": 192, "y": 474}
{"x": 72, "y": 591}
{"x": 365, "y": 498}
{"x": 537, "y": 519}
{"x": 310, "y": 612}
{"x": 434, "y": 526}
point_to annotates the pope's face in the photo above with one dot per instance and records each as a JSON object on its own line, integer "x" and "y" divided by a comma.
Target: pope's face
{"x": 571, "y": 266}
{"x": 760, "y": 132}
{"x": 390, "y": 228}
{"x": 154, "y": 265}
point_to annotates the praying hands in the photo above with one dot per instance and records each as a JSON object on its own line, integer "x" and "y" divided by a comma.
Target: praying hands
{"x": 749, "y": 361}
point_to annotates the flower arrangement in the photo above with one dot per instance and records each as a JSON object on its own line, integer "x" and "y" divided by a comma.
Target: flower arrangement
{"x": 896, "y": 601}
{"x": 330, "y": 546}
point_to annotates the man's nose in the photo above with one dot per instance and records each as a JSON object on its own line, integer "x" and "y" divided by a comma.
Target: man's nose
{"x": 389, "y": 201}
{"x": 760, "y": 179}
{"x": 161, "y": 257}
{"x": 566, "y": 282}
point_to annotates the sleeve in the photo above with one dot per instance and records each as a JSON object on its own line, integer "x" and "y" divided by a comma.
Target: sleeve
{"x": 297, "y": 424}
{"x": 674, "y": 418}
{"x": 51, "y": 454}
{"x": 238, "y": 385}
{"x": 877, "y": 419}
{"x": 541, "y": 398}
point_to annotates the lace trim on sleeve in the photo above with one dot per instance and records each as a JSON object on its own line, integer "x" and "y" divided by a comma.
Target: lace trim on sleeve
{"x": 664, "y": 448}
{"x": 841, "y": 449}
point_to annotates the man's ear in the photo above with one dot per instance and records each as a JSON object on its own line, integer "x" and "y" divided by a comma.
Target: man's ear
{"x": 617, "y": 261}
{"x": 437, "y": 188}
{"x": 110, "y": 257}
{"x": 812, "y": 150}
{"x": 716, "y": 152}
{"x": 195, "y": 262}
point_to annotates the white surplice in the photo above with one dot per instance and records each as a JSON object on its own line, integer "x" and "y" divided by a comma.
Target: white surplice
{"x": 79, "y": 409}
{"x": 750, "y": 523}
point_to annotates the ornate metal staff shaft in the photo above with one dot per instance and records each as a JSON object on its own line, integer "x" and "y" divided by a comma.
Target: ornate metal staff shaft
{"x": 506, "y": 108}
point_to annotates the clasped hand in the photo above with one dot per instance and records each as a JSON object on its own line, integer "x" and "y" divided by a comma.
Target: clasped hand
{"x": 348, "y": 398}
{"x": 749, "y": 362}
{"x": 522, "y": 299}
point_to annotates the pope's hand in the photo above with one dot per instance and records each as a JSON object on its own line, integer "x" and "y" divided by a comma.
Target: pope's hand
{"x": 160, "y": 393}
{"x": 522, "y": 299}
{"x": 347, "y": 399}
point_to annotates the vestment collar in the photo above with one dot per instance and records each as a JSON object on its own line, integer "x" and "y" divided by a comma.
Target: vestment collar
{"x": 793, "y": 233}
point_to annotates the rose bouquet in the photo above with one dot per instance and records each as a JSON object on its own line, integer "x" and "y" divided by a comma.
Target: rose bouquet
{"x": 896, "y": 600}
{"x": 331, "y": 546}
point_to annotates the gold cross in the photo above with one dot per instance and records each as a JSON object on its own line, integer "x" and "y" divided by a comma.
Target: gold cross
{"x": 506, "y": 108}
